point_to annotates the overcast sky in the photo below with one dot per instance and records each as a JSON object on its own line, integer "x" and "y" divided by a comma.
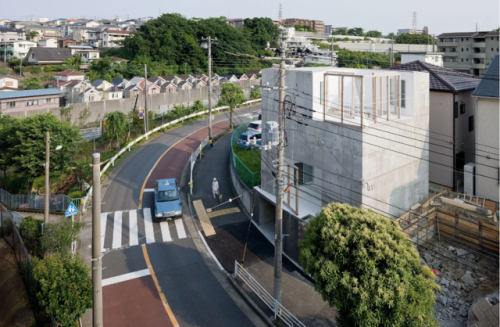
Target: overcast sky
{"x": 386, "y": 16}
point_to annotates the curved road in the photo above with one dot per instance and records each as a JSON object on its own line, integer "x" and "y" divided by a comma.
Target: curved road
{"x": 153, "y": 274}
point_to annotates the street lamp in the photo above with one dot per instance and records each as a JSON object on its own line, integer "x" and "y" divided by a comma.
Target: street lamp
{"x": 47, "y": 163}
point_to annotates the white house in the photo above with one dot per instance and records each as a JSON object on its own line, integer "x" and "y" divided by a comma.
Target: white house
{"x": 434, "y": 58}
{"x": 101, "y": 84}
{"x": 81, "y": 91}
{"x": 184, "y": 85}
{"x": 113, "y": 93}
{"x": 8, "y": 81}
{"x": 87, "y": 53}
{"x": 12, "y": 34}
{"x": 69, "y": 75}
{"x": 47, "y": 43}
{"x": 15, "y": 49}
{"x": 112, "y": 38}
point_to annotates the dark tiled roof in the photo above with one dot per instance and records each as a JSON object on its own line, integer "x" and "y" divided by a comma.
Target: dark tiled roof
{"x": 254, "y": 71}
{"x": 441, "y": 79}
{"x": 226, "y": 76}
{"x": 73, "y": 83}
{"x": 153, "y": 79}
{"x": 167, "y": 84}
{"x": 458, "y": 34}
{"x": 183, "y": 82}
{"x": 118, "y": 80}
{"x": 51, "y": 54}
{"x": 97, "y": 82}
{"x": 488, "y": 87}
{"x": 8, "y": 29}
{"x": 185, "y": 77}
{"x": 493, "y": 33}
{"x": 114, "y": 88}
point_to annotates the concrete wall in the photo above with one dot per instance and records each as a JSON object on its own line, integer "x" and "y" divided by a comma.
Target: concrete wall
{"x": 383, "y": 47}
{"x": 85, "y": 113}
{"x": 487, "y": 138}
{"x": 465, "y": 140}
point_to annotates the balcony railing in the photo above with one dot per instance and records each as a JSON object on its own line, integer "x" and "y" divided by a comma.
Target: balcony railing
{"x": 479, "y": 66}
{"x": 450, "y": 54}
{"x": 480, "y": 55}
{"x": 479, "y": 45}
{"x": 447, "y": 44}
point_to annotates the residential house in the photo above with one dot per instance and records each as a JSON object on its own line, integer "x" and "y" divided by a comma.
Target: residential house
{"x": 113, "y": 38}
{"x": 26, "y": 100}
{"x": 132, "y": 91}
{"x": 187, "y": 78}
{"x": 241, "y": 76}
{"x": 8, "y": 81}
{"x": 44, "y": 32}
{"x": 22, "y": 24}
{"x": 113, "y": 93}
{"x": 12, "y": 34}
{"x": 434, "y": 58}
{"x": 87, "y": 53}
{"x": 235, "y": 22}
{"x": 85, "y": 34}
{"x": 65, "y": 43}
{"x": 184, "y": 85}
{"x": 156, "y": 80}
{"x": 60, "y": 85}
{"x": 317, "y": 25}
{"x": 4, "y": 22}
{"x": 47, "y": 43}
{"x": 15, "y": 49}
{"x": 197, "y": 84}
{"x": 168, "y": 87}
{"x": 229, "y": 78}
{"x": 82, "y": 91}
{"x": 451, "y": 140}
{"x": 153, "y": 88}
{"x": 101, "y": 84}
{"x": 487, "y": 135}
{"x": 92, "y": 23}
{"x": 469, "y": 52}
{"x": 251, "y": 76}
{"x": 136, "y": 81}
{"x": 202, "y": 77}
{"x": 255, "y": 72}
{"x": 215, "y": 81}
{"x": 47, "y": 56}
{"x": 348, "y": 153}
{"x": 118, "y": 60}
{"x": 120, "y": 82}
{"x": 172, "y": 78}
{"x": 69, "y": 75}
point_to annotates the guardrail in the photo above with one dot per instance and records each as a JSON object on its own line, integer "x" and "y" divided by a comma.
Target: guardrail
{"x": 57, "y": 202}
{"x": 146, "y": 135}
{"x": 278, "y": 310}
{"x": 250, "y": 178}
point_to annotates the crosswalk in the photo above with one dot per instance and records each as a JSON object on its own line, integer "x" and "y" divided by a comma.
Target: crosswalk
{"x": 134, "y": 227}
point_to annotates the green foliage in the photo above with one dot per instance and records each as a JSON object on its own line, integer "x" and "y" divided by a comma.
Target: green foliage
{"x": 116, "y": 125}
{"x": 75, "y": 61}
{"x": 31, "y": 233}
{"x": 366, "y": 267}
{"x": 304, "y": 28}
{"x": 322, "y": 45}
{"x": 231, "y": 95}
{"x": 39, "y": 182}
{"x": 54, "y": 68}
{"x": 391, "y": 35}
{"x": 414, "y": 39}
{"x": 14, "y": 62}
{"x": 65, "y": 287}
{"x": 7, "y": 227}
{"x": 262, "y": 30}
{"x": 340, "y": 31}
{"x": 76, "y": 194}
{"x": 33, "y": 35}
{"x": 33, "y": 69}
{"x": 82, "y": 171}
{"x": 32, "y": 84}
{"x": 4, "y": 70}
{"x": 356, "y": 31}
{"x": 373, "y": 33}
{"x": 57, "y": 237}
{"x": 358, "y": 59}
{"x": 255, "y": 94}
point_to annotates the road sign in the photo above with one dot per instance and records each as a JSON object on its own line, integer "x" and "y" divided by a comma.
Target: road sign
{"x": 71, "y": 211}
{"x": 141, "y": 112}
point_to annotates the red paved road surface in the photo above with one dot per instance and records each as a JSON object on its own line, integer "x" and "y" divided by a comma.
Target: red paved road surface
{"x": 126, "y": 304}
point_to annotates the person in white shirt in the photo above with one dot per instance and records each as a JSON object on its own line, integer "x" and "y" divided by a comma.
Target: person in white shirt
{"x": 215, "y": 187}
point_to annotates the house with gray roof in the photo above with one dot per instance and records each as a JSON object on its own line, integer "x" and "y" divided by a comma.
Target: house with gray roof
{"x": 487, "y": 135}
{"x": 27, "y": 100}
{"x": 101, "y": 84}
{"x": 47, "y": 56}
{"x": 452, "y": 139}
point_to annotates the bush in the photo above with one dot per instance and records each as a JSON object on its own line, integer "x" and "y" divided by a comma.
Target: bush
{"x": 34, "y": 69}
{"x": 39, "y": 182}
{"x": 14, "y": 62}
{"x": 8, "y": 227}
{"x": 76, "y": 194}
{"x": 57, "y": 238}
{"x": 31, "y": 232}
{"x": 65, "y": 287}
{"x": 16, "y": 183}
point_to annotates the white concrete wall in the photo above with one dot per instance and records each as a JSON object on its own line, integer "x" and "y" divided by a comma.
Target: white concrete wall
{"x": 383, "y": 47}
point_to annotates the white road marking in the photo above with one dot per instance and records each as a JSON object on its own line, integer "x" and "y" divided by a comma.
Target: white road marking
{"x": 134, "y": 232}
{"x": 165, "y": 231}
{"x": 104, "y": 217}
{"x": 181, "y": 232}
{"x": 148, "y": 222}
{"x": 149, "y": 190}
{"x": 125, "y": 277}
{"x": 117, "y": 230}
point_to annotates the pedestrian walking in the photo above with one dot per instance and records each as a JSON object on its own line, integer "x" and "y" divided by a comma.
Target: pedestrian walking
{"x": 215, "y": 187}
{"x": 211, "y": 143}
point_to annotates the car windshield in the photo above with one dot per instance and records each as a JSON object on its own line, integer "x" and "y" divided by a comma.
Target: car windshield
{"x": 170, "y": 195}
{"x": 254, "y": 126}
{"x": 243, "y": 138}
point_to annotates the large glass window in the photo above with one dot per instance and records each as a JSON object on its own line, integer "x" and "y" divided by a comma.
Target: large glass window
{"x": 306, "y": 173}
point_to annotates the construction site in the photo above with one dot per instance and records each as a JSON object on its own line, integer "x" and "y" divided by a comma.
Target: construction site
{"x": 457, "y": 236}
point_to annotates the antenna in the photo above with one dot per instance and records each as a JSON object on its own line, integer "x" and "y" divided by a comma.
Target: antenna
{"x": 280, "y": 13}
{"x": 414, "y": 22}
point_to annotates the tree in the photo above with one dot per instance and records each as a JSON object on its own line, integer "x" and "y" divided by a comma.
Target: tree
{"x": 231, "y": 95}
{"x": 414, "y": 39}
{"x": 33, "y": 35}
{"x": 28, "y": 145}
{"x": 32, "y": 84}
{"x": 356, "y": 31}
{"x": 341, "y": 31}
{"x": 65, "y": 287}
{"x": 57, "y": 237}
{"x": 116, "y": 125}
{"x": 366, "y": 267}
{"x": 255, "y": 94}
{"x": 391, "y": 35}
{"x": 373, "y": 33}
{"x": 7, "y": 128}
{"x": 31, "y": 232}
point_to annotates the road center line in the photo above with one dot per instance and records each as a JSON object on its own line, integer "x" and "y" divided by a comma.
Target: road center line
{"x": 162, "y": 296}
{"x": 125, "y": 277}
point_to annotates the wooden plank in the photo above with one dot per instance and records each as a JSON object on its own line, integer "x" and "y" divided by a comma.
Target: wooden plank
{"x": 204, "y": 220}
{"x": 464, "y": 205}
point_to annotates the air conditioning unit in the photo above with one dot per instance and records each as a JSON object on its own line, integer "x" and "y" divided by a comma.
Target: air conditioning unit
{"x": 470, "y": 178}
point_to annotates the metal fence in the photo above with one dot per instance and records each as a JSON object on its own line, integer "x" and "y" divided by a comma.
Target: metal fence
{"x": 57, "y": 202}
{"x": 10, "y": 233}
{"x": 278, "y": 310}
{"x": 250, "y": 178}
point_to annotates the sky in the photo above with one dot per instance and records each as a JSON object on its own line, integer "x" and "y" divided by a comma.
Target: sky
{"x": 384, "y": 15}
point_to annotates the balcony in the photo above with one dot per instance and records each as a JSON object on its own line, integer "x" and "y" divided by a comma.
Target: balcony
{"x": 480, "y": 55}
{"x": 450, "y": 54}
{"x": 479, "y": 66}
{"x": 447, "y": 44}
{"x": 479, "y": 45}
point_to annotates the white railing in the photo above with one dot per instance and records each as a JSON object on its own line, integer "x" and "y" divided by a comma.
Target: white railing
{"x": 279, "y": 310}
{"x": 128, "y": 146}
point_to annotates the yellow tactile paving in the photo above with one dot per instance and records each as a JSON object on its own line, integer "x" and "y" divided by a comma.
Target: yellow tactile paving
{"x": 223, "y": 212}
{"x": 202, "y": 215}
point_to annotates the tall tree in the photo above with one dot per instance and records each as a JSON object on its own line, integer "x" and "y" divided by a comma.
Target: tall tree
{"x": 414, "y": 39}
{"x": 231, "y": 95}
{"x": 366, "y": 267}
{"x": 373, "y": 33}
{"x": 116, "y": 125}
{"x": 32, "y": 84}
{"x": 7, "y": 140}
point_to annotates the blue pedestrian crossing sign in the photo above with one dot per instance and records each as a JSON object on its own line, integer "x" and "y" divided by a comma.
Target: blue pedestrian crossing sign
{"x": 71, "y": 211}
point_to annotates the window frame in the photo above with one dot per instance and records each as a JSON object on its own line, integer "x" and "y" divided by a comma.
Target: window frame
{"x": 305, "y": 177}
{"x": 462, "y": 108}
{"x": 471, "y": 123}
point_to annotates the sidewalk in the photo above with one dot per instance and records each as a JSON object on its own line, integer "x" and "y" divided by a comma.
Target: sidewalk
{"x": 231, "y": 228}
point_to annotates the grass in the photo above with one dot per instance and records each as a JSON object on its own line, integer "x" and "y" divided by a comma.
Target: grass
{"x": 250, "y": 158}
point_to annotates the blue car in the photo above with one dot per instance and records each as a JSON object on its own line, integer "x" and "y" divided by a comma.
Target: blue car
{"x": 248, "y": 139}
{"x": 167, "y": 200}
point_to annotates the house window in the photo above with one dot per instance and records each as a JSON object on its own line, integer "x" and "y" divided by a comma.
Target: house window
{"x": 455, "y": 110}
{"x": 403, "y": 94}
{"x": 306, "y": 173}
{"x": 11, "y": 104}
{"x": 32, "y": 103}
{"x": 32, "y": 56}
{"x": 462, "y": 59}
{"x": 48, "y": 101}
{"x": 471, "y": 123}
{"x": 491, "y": 49}
{"x": 462, "y": 49}
{"x": 154, "y": 91}
{"x": 171, "y": 89}
{"x": 136, "y": 92}
{"x": 462, "y": 108}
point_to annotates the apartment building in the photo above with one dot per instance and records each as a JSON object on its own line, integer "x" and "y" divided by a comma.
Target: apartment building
{"x": 11, "y": 34}
{"x": 112, "y": 38}
{"x": 425, "y": 30}
{"x": 469, "y": 52}
{"x": 15, "y": 49}
{"x": 235, "y": 22}
{"x": 317, "y": 25}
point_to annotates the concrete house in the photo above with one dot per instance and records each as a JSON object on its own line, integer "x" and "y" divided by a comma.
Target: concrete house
{"x": 12, "y": 34}
{"x": 434, "y": 58}
{"x": 132, "y": 91}
{"x": 44, "y": 32}
{"x": 113, "y": 38}
{"x": 69, "y": 75}
{"x": 184, "y": 85}
{"x": 101, "y": 84}
{"x": 29, "y": 100}
{"x": 451, "y": 106}
{"x": 358, "y": 146}
{"x": 64, "y": 43}
{"x": 113, "y": 93}
{"x": 487, "y": 136}
{"x": 8, "y": 81}
{"x": 47, "y": 43}
{"x": 87, "y": 53}
{"x": 15, "y": 49}
{"x": 168, "y": 87}
{"x": 47, "y": 56}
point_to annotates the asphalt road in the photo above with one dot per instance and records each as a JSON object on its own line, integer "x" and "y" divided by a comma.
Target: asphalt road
{"x": 146, "y": 264}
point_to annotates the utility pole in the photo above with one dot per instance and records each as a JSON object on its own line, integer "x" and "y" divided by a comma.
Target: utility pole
{"x": 209, "y": 46}
{"x": 47, "y": 186}
{"x": 146, "y": 121}
{"x": 278, "y": 241}
{"x": 96, "y": 242}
